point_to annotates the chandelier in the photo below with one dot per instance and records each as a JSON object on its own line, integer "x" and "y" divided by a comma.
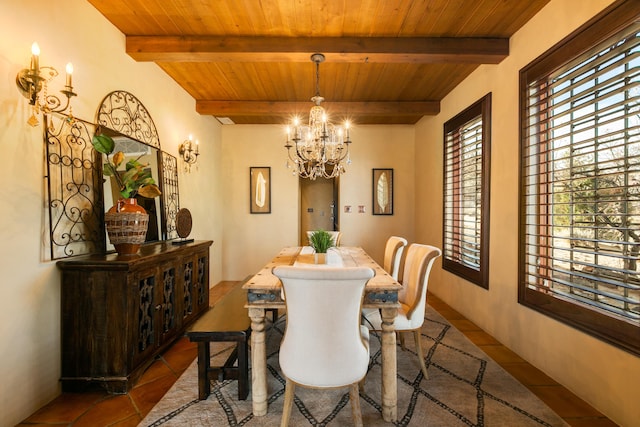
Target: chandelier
{"x": 318, "y": 149}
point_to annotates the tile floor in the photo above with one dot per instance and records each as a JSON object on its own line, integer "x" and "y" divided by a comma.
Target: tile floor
{"x": 101, "y": 409}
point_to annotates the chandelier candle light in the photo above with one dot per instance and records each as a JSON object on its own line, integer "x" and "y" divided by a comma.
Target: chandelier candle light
{"x": 31, "y": 81}
{"x": 321, "y": 149}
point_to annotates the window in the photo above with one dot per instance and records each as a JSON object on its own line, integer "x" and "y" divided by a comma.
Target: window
{"x": 467, "y": 148}
{"x": 580, "y": 180}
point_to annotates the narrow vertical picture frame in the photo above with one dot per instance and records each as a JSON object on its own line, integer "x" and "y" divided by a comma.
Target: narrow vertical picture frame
{"x": 382, "y": 190}
{"x": 260, "y": 189}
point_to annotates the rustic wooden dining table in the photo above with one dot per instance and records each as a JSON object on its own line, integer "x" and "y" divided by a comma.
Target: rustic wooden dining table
{"x": 264, "y": 292}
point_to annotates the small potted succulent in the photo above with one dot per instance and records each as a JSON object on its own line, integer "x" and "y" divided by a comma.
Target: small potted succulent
{"x": 320, "y": 241}
{"x": 126, "y": 222}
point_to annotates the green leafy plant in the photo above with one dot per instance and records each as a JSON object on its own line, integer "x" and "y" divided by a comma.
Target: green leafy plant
{"x": 320, "y": 241}
{"x": 135, "y": 180}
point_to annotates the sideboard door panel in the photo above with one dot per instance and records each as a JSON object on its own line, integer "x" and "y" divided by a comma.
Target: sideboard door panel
{"x": 145, "y": 320}
{"x": 169, "y": 321}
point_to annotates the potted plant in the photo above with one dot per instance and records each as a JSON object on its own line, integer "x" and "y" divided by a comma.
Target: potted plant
{"x": 126, "y": 222}
{"x": 320, "y": 241}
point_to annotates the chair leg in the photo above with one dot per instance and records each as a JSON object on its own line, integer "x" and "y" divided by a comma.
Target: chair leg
{"x": 400, "y": 337}
{"x": 354, "y": 397}
{"x": 289, "y": 391}
{"x": 416, "y": 336}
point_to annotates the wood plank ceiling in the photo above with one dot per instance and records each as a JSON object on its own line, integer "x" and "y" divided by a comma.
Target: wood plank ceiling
{"x": 387, "y": 61}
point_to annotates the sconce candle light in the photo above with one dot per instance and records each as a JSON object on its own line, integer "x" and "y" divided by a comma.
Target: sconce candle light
{"x": 31, "y": 81}
{"x": 189, "y": 153}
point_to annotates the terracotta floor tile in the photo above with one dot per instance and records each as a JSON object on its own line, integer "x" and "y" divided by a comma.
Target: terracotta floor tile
{"x": 179, "y": 361}
{"x": 590, "y": 422}
{"x": 157, "y": 369}
{"x": 433, "y": 299}
{"x": 501, "y": 354}
{"x": 563, "y": 402}
{"x": 464, "y": 325}
{"x": 528, "y": 374}
{"x": 66, "y": 408}
{"x": 107, "y": 412}
{"x": 448, "y": 313}
{"x": 147, "y": 395}
{"x": 132, "y": 421}
{"x": 181, "y": 345}
{"x": 480, "y": 337}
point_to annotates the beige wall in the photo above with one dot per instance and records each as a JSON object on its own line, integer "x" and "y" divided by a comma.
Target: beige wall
{"x": 249, "y": 241}
{"x": 603, "y": 375}
{"x": 30, "y": 290}
{"x": 217, "y": 195}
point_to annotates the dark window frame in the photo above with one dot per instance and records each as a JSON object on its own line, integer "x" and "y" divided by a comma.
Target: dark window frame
{"x": 620, "y": 333}
{"x": 480, "y": 109}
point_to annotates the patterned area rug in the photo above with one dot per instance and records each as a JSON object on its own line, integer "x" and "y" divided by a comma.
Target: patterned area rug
{"x": 465, "y": 388}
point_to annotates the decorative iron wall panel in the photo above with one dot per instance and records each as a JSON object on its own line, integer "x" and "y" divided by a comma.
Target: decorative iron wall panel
{"x": 170, "y": 196}
{"x": 74, "y": 188}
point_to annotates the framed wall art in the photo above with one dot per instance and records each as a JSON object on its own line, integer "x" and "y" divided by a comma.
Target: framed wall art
{"x": 382, "y": 192}
{"x": 260, "y": 189}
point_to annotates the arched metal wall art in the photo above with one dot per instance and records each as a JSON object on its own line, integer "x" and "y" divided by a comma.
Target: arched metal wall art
{"x": 123, "y": 112}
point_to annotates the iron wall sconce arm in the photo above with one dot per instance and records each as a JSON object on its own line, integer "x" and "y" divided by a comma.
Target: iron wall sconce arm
{"x": 34, "y": 80}
{"x": 189, "y": 153}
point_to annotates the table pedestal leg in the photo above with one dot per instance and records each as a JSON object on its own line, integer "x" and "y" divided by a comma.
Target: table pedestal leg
{"x": 389, "y": 366}
{"x": 258, "y": 362}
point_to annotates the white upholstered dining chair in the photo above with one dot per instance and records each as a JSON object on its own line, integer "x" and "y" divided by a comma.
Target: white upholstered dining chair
{"x": 412, "y": 297}
{"x": 393, "y": 254}
{"x": 324, "y": 345}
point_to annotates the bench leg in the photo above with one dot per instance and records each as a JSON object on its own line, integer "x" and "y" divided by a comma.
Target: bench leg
{"x": 274, "y": 314}
{"x": 204, "y": 386}
{"x": 243, "y": 368}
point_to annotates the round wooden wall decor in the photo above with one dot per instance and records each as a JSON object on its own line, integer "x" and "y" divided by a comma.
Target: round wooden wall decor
{"x": 183, "y": 222}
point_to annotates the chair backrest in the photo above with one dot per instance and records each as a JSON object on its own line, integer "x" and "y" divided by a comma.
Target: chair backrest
{"x": 393, "y": 254}
{"x": 322, "y": 344}
{"x": 417, "y": 267}
{"x": 335, "y": 235}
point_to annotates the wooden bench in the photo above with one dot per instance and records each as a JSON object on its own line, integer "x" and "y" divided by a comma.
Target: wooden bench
{"x": 227, "y": 321}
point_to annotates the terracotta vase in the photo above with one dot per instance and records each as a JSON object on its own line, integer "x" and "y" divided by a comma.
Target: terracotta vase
{"x": 126, "y": 224}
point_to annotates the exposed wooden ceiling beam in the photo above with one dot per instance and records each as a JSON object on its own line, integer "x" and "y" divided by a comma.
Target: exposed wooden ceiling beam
{"x": 336, "y": 49}
{"x": 371, "y": 108}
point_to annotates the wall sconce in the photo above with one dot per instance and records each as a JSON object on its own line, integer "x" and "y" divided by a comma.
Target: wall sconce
{"x": 189, "y": 153}
{"x": 31, "y": 81}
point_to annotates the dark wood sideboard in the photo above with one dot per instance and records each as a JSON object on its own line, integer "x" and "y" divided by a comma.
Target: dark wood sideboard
{"x": 118, "y": 313}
